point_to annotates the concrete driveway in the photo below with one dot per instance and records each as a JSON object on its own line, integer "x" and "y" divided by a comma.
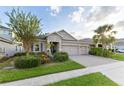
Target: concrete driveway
{"x": 89, "y": 60}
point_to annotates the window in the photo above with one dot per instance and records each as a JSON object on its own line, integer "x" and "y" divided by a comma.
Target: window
{"x": 36, "y": 48}
{"x": 2, "y": 50}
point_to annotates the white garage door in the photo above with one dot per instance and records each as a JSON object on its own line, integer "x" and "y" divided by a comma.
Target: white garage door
{"x": 83, "y": 50}
{"x": 71, "y": 50}
{"x": 75, "y": 50}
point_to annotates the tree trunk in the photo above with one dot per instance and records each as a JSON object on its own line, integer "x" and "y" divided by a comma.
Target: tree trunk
{"x": 26, "y": 47}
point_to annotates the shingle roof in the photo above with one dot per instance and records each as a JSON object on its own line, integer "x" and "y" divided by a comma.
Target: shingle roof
{"x": 86, "y": 40}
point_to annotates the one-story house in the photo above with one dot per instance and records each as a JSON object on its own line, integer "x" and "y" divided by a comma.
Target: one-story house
{"x": 60, "y": 41}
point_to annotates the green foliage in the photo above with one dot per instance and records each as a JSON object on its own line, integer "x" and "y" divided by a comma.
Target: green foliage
{"x": 12, "y": 75}
{"x": 24, "y": 53}
{"x": 93, "y": 79}
{"x": 104, "y": 35}
{"x": 118, "y": 56}
{"x": 44, "y": 58}
{"x": 20, "y": 54}
{"x": 60, "y": 56}
{"x": 25, "y": 27}
{"x": 27, "y": 62}
{"x": 100, "y": 52}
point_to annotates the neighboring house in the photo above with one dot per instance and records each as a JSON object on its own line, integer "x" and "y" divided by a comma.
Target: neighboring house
{"x": 119, "y": 44}
{"x": 61, "y": 41}
{"x": 7, "y": 46}
{"x": 87, "y": 40}
{"x": 5, "y": 33}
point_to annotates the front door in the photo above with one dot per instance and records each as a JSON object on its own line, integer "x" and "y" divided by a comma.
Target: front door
{"x": 54, "y": 47}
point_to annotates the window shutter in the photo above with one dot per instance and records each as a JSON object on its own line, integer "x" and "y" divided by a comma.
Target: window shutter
{"x": 32, "y": 47}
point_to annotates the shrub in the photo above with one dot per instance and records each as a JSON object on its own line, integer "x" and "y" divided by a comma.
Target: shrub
{"x": 100, "y": 52}
{"x": 60, "y": 56}
{"x": 96, "y": 51}
{"x": 32, "y": 53}
{"x": 24, "y": 54}
{"x": 27, "y": 62}
{"x": 107, "y": 53}
{"x": 44, "y": 58}
{"x": 20, "y": 54}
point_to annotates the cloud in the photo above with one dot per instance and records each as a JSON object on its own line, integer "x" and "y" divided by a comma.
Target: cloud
{"x": 99, "y": 13}
{"x": 89, "y": 18}
{"x": 55, "y": 10}
{"x": 77, "y": 16}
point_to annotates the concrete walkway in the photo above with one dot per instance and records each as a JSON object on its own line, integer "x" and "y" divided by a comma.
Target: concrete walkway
{"x": 114, "y": 71}
{"x": 89, "y": 60}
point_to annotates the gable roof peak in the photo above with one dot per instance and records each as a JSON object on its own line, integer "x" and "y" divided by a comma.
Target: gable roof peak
{"x": 66, "y": 33}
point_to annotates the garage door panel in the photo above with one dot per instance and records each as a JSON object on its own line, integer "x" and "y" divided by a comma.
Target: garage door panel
{"x": 71, "y": 50}
{"x": 83, "y": 50}
{"x": 75, "y": 50}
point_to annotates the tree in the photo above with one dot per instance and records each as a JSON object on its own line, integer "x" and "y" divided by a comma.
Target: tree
{"x": 104, "y": 35}
{"x": 25, "y": 27}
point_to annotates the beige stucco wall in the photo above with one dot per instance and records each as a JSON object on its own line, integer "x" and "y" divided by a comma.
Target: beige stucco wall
{"x": 74, "y": 42}
{"x": 54, "y": 38}
{"x": 65, "y": 35}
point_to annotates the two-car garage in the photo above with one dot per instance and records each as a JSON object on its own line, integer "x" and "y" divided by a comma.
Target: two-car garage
{"x": 75, "y": 49}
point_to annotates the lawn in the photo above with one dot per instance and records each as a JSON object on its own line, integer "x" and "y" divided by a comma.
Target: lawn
{"x": 17, "y": 74}
{"x": 118, "y": 56}
{"x": 94, "y": 79}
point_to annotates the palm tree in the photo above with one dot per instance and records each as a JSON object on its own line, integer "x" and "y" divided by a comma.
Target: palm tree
{"x": 96, "y": 40}
{"x": 25, "y": 27}
{"x": 104, "y": 35}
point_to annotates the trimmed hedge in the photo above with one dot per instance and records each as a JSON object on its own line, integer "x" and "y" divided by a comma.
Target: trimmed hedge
{"x": 100, "y": 52}
{"x": 24, "y": 53}
{"x": 30, "y": 53}
{"x": 60, "y": 56}
{"x": 27, "y": 62}
{"x": 20, "y": 54}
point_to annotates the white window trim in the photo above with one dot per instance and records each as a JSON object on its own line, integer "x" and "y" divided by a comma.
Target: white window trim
{"x": 34, "y": 47}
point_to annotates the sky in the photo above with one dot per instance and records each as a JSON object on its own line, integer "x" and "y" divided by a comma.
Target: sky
{"x": 80, "y": 21}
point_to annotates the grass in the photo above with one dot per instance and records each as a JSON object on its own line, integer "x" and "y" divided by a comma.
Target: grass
{"x": 118, "y": 56}
{"x": 94, "y": 79}
{"x": 17, "y": 74}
